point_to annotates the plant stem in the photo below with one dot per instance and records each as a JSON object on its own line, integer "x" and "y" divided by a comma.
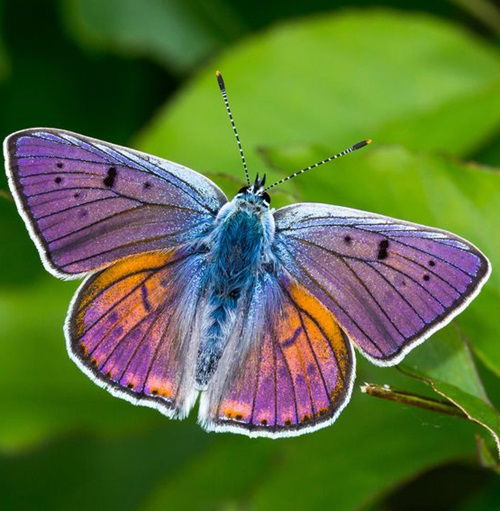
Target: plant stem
{"x": 427, "y": 403}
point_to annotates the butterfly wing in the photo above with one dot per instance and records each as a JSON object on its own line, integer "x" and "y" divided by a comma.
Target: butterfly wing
{"x": 287, "y": 369}
{"x": 134, "y": 328}
{"x": 87, "y": 203}
{"x": 389, "y": 283}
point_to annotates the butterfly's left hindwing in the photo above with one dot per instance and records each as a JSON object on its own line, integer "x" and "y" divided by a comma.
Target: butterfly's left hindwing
{"x": 88, "y": 203}
{"x": 134, "y": 329}
{"x": 294, "y": 374}
{"x": 389, "y": 283}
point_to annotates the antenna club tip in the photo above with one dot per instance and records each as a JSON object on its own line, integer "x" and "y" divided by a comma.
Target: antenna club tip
{"x": 220, "y": 80}
{"x": 361, "y": 144}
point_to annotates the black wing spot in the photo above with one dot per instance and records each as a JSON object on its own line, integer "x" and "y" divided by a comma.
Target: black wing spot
{"x": 110, "y": 178}
{"x": 426, "y": 277}
{"x": 76, "y": 195}
{"x": 147, "y": 185}
{"x": 263, "y": 422}
{"x": 347, "y": 239}
{"x": 83, "y": 213}
{"x": 58, "y": 180}
{"x": 130, "y": 386}
{"x": 288, "y": 422}
{"x": 432, "y": 263}
{"x": 238, "y": 417}
{"x": 382, "y": 250}
{"x": 59, "y": 165}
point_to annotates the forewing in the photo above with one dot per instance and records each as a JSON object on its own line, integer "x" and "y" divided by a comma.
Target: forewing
{"x": 134, "y": 329}
{"x": 389, "y": 283}
{"x": 288, "y": 368}
{"x": 88, "y": 203}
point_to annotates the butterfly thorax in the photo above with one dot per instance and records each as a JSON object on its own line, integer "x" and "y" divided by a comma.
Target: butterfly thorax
{"x": 239, "y": 249}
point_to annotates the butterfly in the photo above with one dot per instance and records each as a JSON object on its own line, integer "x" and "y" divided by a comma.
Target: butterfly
{"x": 251, "y": 310}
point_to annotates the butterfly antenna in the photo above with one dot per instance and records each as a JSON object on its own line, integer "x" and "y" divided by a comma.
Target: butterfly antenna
{"x": 351, "y": 149}
{"x": 222, "y": 88}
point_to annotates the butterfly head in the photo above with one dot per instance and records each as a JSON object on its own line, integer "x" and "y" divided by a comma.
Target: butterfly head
{"x": 255, "y": 195}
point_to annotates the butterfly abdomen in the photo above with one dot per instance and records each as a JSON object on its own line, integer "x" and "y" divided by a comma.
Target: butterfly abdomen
{"x": 234, "y": 258}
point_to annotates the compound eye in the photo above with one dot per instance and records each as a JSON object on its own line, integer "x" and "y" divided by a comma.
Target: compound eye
{"x": 266, "y": 197}
{"x": 243, "y": 190}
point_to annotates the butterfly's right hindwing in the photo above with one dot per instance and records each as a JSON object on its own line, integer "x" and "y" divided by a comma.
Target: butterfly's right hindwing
{"x": 288, "y": 368}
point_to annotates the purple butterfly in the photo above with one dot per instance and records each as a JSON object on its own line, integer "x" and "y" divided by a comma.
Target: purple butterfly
{"x": 255, "y": 311}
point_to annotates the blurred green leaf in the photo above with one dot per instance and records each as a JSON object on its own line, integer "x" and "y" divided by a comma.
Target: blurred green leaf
{"x": 44, "y": 394}
{"x": 333, "y": 80}
{"x": 487, "y": 500}
{"x": 4, "y": 66}
{"x": 14, "y": 269}
{"x": 83, "y": 472}
{"x": 490, "y": 153}
{"x": 175, "y": 32}
{"x": 370, "y": 450}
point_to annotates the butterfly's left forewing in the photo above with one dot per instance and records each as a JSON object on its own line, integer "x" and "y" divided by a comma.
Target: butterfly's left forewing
{"x": 389, "y": 283}
{"x": 294, "y": 373}
{"x": 88, "y": 203}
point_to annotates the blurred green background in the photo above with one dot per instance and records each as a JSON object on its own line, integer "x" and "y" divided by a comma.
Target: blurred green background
{"x": 422, "y": 78}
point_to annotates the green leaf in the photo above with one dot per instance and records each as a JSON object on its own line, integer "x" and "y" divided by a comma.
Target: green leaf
{"x": 177, "y": 33}
{"x": 333, "y": 80}
{"x": 85, "y": 471}
{"x": 447, "y": 358}
{"x": 447, "y": 366}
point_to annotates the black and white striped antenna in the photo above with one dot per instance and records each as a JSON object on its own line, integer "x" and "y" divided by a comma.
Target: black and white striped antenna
{"x": 351, "y": 149}
{"x": 222, "y": 88}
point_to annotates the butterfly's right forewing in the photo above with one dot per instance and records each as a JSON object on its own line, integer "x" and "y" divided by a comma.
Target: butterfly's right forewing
{"x": 389, "y": 283}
